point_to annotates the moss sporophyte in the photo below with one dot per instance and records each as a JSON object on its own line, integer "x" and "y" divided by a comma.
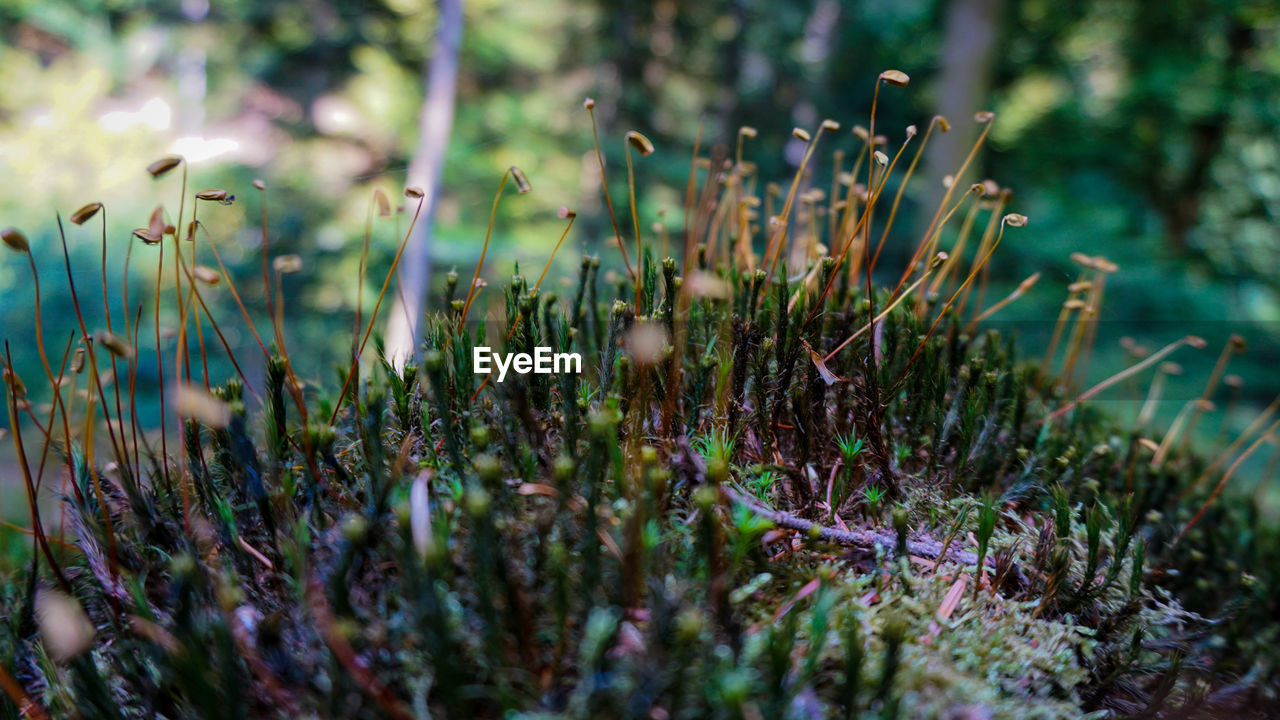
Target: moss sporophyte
{"x": 731, "y": 474}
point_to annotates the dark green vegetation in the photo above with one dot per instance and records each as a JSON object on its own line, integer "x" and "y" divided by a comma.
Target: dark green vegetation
{"x": 776, "y": 492}
{"x": 1146, "y": 131}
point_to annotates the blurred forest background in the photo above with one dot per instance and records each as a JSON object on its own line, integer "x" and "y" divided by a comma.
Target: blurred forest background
{"x": 1143, "y": 131}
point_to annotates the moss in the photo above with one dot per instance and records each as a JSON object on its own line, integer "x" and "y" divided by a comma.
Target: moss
{"x": 741, "y": 509}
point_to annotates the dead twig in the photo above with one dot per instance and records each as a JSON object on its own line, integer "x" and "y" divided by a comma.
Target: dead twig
{"x": 864, "y": 538}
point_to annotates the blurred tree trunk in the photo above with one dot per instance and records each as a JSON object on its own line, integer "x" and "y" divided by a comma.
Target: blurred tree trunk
{"x": 434, "y": 125}
{"x": 726, "y": 102}
{"x": 963, "y": 83}
{"x": 1180, "y": 195}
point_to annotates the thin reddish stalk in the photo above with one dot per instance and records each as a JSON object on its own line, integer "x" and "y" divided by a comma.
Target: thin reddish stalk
{"x": 520, "y": 314}
{"x": 16, "y": 431}
{"x": 906, "y": 273}
{"x": 484, "y": 249}
{"x": 1217, "y": 490}
{"x": 355, "y": 363}
{"x": 604, "y": 184}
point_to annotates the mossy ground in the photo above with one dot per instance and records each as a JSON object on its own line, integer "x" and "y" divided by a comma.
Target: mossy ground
{"x": 731, "y": 513}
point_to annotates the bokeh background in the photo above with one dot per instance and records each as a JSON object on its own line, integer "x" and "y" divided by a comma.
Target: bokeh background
{"x": 1143, "y": 131}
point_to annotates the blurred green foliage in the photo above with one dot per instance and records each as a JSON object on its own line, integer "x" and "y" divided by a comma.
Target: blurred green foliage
{"x": 1142, "y": 131}
{"x": 1145, "y": 132}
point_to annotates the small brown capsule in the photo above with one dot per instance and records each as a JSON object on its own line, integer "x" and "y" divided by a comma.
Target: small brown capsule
{"x": 14, "y": 238}
{"x": 206, "y": 275}
{"x": 114, "y": 344}
{"x": 196, "y": 403}
{"x": 521, "y": 181}
{"x": 85, "y": 213}
{"x": 1104, "y": 265}
{"x": 156, "y": 225}
{"x": 641, "y": 143}
{"x": 287, "y": 264}
{"x": 15, "y": 384}
{"x": 896, "y": 78}
{"x": 164, "y": 165}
